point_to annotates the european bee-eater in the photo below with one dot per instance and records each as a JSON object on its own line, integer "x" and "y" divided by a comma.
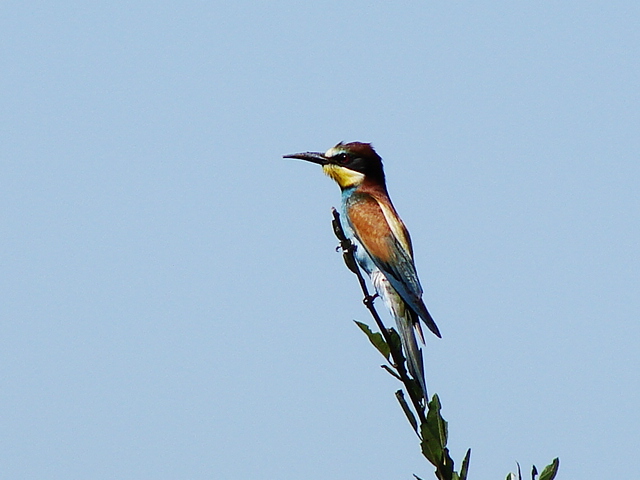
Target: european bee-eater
{"x": 382, "y": 244}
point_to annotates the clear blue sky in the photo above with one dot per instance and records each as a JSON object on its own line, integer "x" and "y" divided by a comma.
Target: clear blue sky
{"x": 172, "y": 304}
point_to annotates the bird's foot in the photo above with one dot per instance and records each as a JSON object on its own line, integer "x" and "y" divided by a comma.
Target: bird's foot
{"x": 368, "y": 300}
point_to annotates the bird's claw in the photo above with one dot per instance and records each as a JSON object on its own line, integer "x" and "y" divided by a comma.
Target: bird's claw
{"x": 368, "y": 300}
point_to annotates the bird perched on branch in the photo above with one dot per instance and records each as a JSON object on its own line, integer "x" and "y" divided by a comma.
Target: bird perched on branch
{"x": 382, "y": 244}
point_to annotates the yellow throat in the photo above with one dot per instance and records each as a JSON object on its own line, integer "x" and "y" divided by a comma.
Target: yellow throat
{"x": 343, "y": 176}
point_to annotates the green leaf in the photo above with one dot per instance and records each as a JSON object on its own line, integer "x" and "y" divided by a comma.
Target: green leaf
{"x": 376, "y": 339}
{"x": 435, "y": 419}
{"x": 465, "y": 466}
{"x": 431, "y": 447}
{"x": 434, "y": 437}
{"x": 407, "y": 411}
{"x": 434, "y": 432}
{"x": 551, "y": 470}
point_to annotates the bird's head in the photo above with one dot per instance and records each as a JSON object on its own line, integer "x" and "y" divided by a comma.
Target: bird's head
{"x": 349, "y": 164}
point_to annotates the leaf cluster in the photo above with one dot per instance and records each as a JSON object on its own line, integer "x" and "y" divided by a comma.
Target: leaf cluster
{"x": 428, "y": 423}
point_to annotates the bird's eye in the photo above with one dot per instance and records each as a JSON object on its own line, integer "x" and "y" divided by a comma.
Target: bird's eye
{"x": 342, "y": 158}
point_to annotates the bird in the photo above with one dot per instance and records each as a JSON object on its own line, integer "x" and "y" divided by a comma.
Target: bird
{"x": 382, "y": 243}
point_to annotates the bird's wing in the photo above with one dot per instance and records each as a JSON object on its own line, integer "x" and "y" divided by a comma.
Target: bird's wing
{"x": 390, "y": 253}
{"x": 384, "y": 236}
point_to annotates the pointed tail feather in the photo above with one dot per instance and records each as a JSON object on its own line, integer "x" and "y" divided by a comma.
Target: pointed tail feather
{"x": 428, "y": 320}
{"x": 415, "y": 365}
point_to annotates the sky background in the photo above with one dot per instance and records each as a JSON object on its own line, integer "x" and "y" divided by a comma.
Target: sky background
{"x": 172, "y": 304}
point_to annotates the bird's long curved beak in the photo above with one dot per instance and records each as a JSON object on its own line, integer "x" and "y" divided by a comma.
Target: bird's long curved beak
{"x": 313, "y": 157}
